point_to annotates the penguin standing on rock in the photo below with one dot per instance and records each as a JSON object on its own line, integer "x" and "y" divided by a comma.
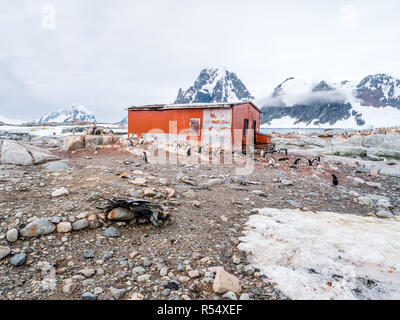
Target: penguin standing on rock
{"x": 144, "y": 157}
{"x": 188, "y": 152}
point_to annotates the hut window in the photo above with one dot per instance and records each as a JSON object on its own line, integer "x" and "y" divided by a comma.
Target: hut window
{"x": 194, "y": 126}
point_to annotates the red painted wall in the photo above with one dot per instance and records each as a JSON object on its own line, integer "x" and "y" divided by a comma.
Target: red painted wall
{"x": 142, "y": 121}
{"x": 245, "y": 111}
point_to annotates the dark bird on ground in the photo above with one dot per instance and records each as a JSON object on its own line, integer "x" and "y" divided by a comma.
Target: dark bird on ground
{"x": 335, "y": 180}
{"x": 293, "y": 167}
{"x": 283, "y": 159}
{"x": 297, "y": 161}
{"x": 309, "y": 162}
{"x": 144, "y": 157}
{"x": 200, "y": 148}
{"x": 319, "y": 159}
{"x": 188, "y": 152}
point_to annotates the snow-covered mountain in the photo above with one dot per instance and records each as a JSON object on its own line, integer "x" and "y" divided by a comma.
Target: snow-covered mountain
{"x": 74, "y": 113}
{"x": 124, "y": 120}
{"x": 379, "y": 90}
{"x": 215, "y": 85}
{"x": 4, "y": 120}
{"x": 373, "y": 102}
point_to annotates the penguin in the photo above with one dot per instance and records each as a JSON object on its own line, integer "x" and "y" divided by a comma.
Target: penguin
{"x": 272, "y": 161}
{"x": 141, "y": 141}
{"x": 144, "y": 157}
{"x": 309, "y": 162}
{"x": 188, "y": 152}
{"x": 283, "y": 159}
{"x": 297, "y": 161}
{"x": 335, "y": 181}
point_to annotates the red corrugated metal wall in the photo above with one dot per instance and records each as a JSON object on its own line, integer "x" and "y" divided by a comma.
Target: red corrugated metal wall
{"x": 142, "y": 121}
{"x": 245, "y": 111}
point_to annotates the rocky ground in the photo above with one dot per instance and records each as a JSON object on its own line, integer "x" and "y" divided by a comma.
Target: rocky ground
{"x": 73, "y": 253}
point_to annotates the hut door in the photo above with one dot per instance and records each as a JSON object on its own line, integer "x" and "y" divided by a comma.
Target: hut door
{"x": 245, "y": 127}
{"x": 254, "y": 130}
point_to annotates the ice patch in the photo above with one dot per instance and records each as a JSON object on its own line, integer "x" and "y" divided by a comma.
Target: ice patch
{"x": 325, "y": 255}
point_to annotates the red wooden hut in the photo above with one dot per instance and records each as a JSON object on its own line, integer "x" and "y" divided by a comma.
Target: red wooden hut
{"x": 203, "y": 123}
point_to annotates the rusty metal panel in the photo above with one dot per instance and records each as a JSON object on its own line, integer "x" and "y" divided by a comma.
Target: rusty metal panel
{"x": 217, "y": 127}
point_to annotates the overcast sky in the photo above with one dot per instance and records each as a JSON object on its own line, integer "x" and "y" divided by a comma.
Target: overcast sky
{"x": 107, "y": 55}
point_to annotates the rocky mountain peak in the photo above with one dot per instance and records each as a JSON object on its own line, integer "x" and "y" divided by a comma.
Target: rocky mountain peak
{"x": 214, "y": 85}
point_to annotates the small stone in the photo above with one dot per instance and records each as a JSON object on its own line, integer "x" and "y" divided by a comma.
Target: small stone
{"x": 88, "y": 272}
{"x": 80, "y": 225}
{"x": 89, "y": 254}
{"x": 18, "y": 260}
{"x": 236, "y": 259}
{"x": 97, "y": 291}
{"x": 54, "y": 220}
{"x": 94, "y": 196}
{"x": 163, "y": 181}
{"x": 38, "y": 227}
{"x": 249, "y": 270}
{"x": 134, "y": 254}
{"x": 121, "y": 214}
{"x": 170, "y": 192}
{"x": 163, "y": 272}
{"x": 117, "y": 293}
{"x": 149, "y": 192}
{"x": 259, "y": 193}
{"x": 194, "y": 274}
{"x": 69, "y": 288}
{"x": 225, "y": 282}
{"x": 229, "y": 296}
{"x": 12, "y": 235}
{"x": 112, "y": 232}
{"x": 64, "y": 227}
{"x": 60, "y": 192}
{"x": 147, "y": 262}
{"x": 88, "y": 296}
{"x": 4, "y": 252}
{"x": 189, "y": 194}
{"x": 384, "y": 203}
{"x": 245, "y": 296}
{"x": 82, "y": 215}
{"x": 384, "y": 214}
{"x": 287, "y": 182}
{"x": 143, "y": 278}
{"x": 139, "y": 181}
{"x": 139, "y": 270}
{"x": 136, "y": 296}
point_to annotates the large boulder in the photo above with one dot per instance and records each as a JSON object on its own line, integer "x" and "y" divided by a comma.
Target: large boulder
{"x": 18, "y": 153}
{"x": 91, "y": 141}
{"x": 386, "y": 141}
{"x": 74, "y": 142}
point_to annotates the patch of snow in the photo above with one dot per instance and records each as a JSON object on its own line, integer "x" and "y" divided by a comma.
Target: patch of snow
{"x": 10, "y": 121}
{"x": 325, "y": 255}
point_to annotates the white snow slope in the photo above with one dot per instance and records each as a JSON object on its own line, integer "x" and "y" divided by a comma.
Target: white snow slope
{"x": 324, "y": 255}
{"x": 10, "y": 121}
